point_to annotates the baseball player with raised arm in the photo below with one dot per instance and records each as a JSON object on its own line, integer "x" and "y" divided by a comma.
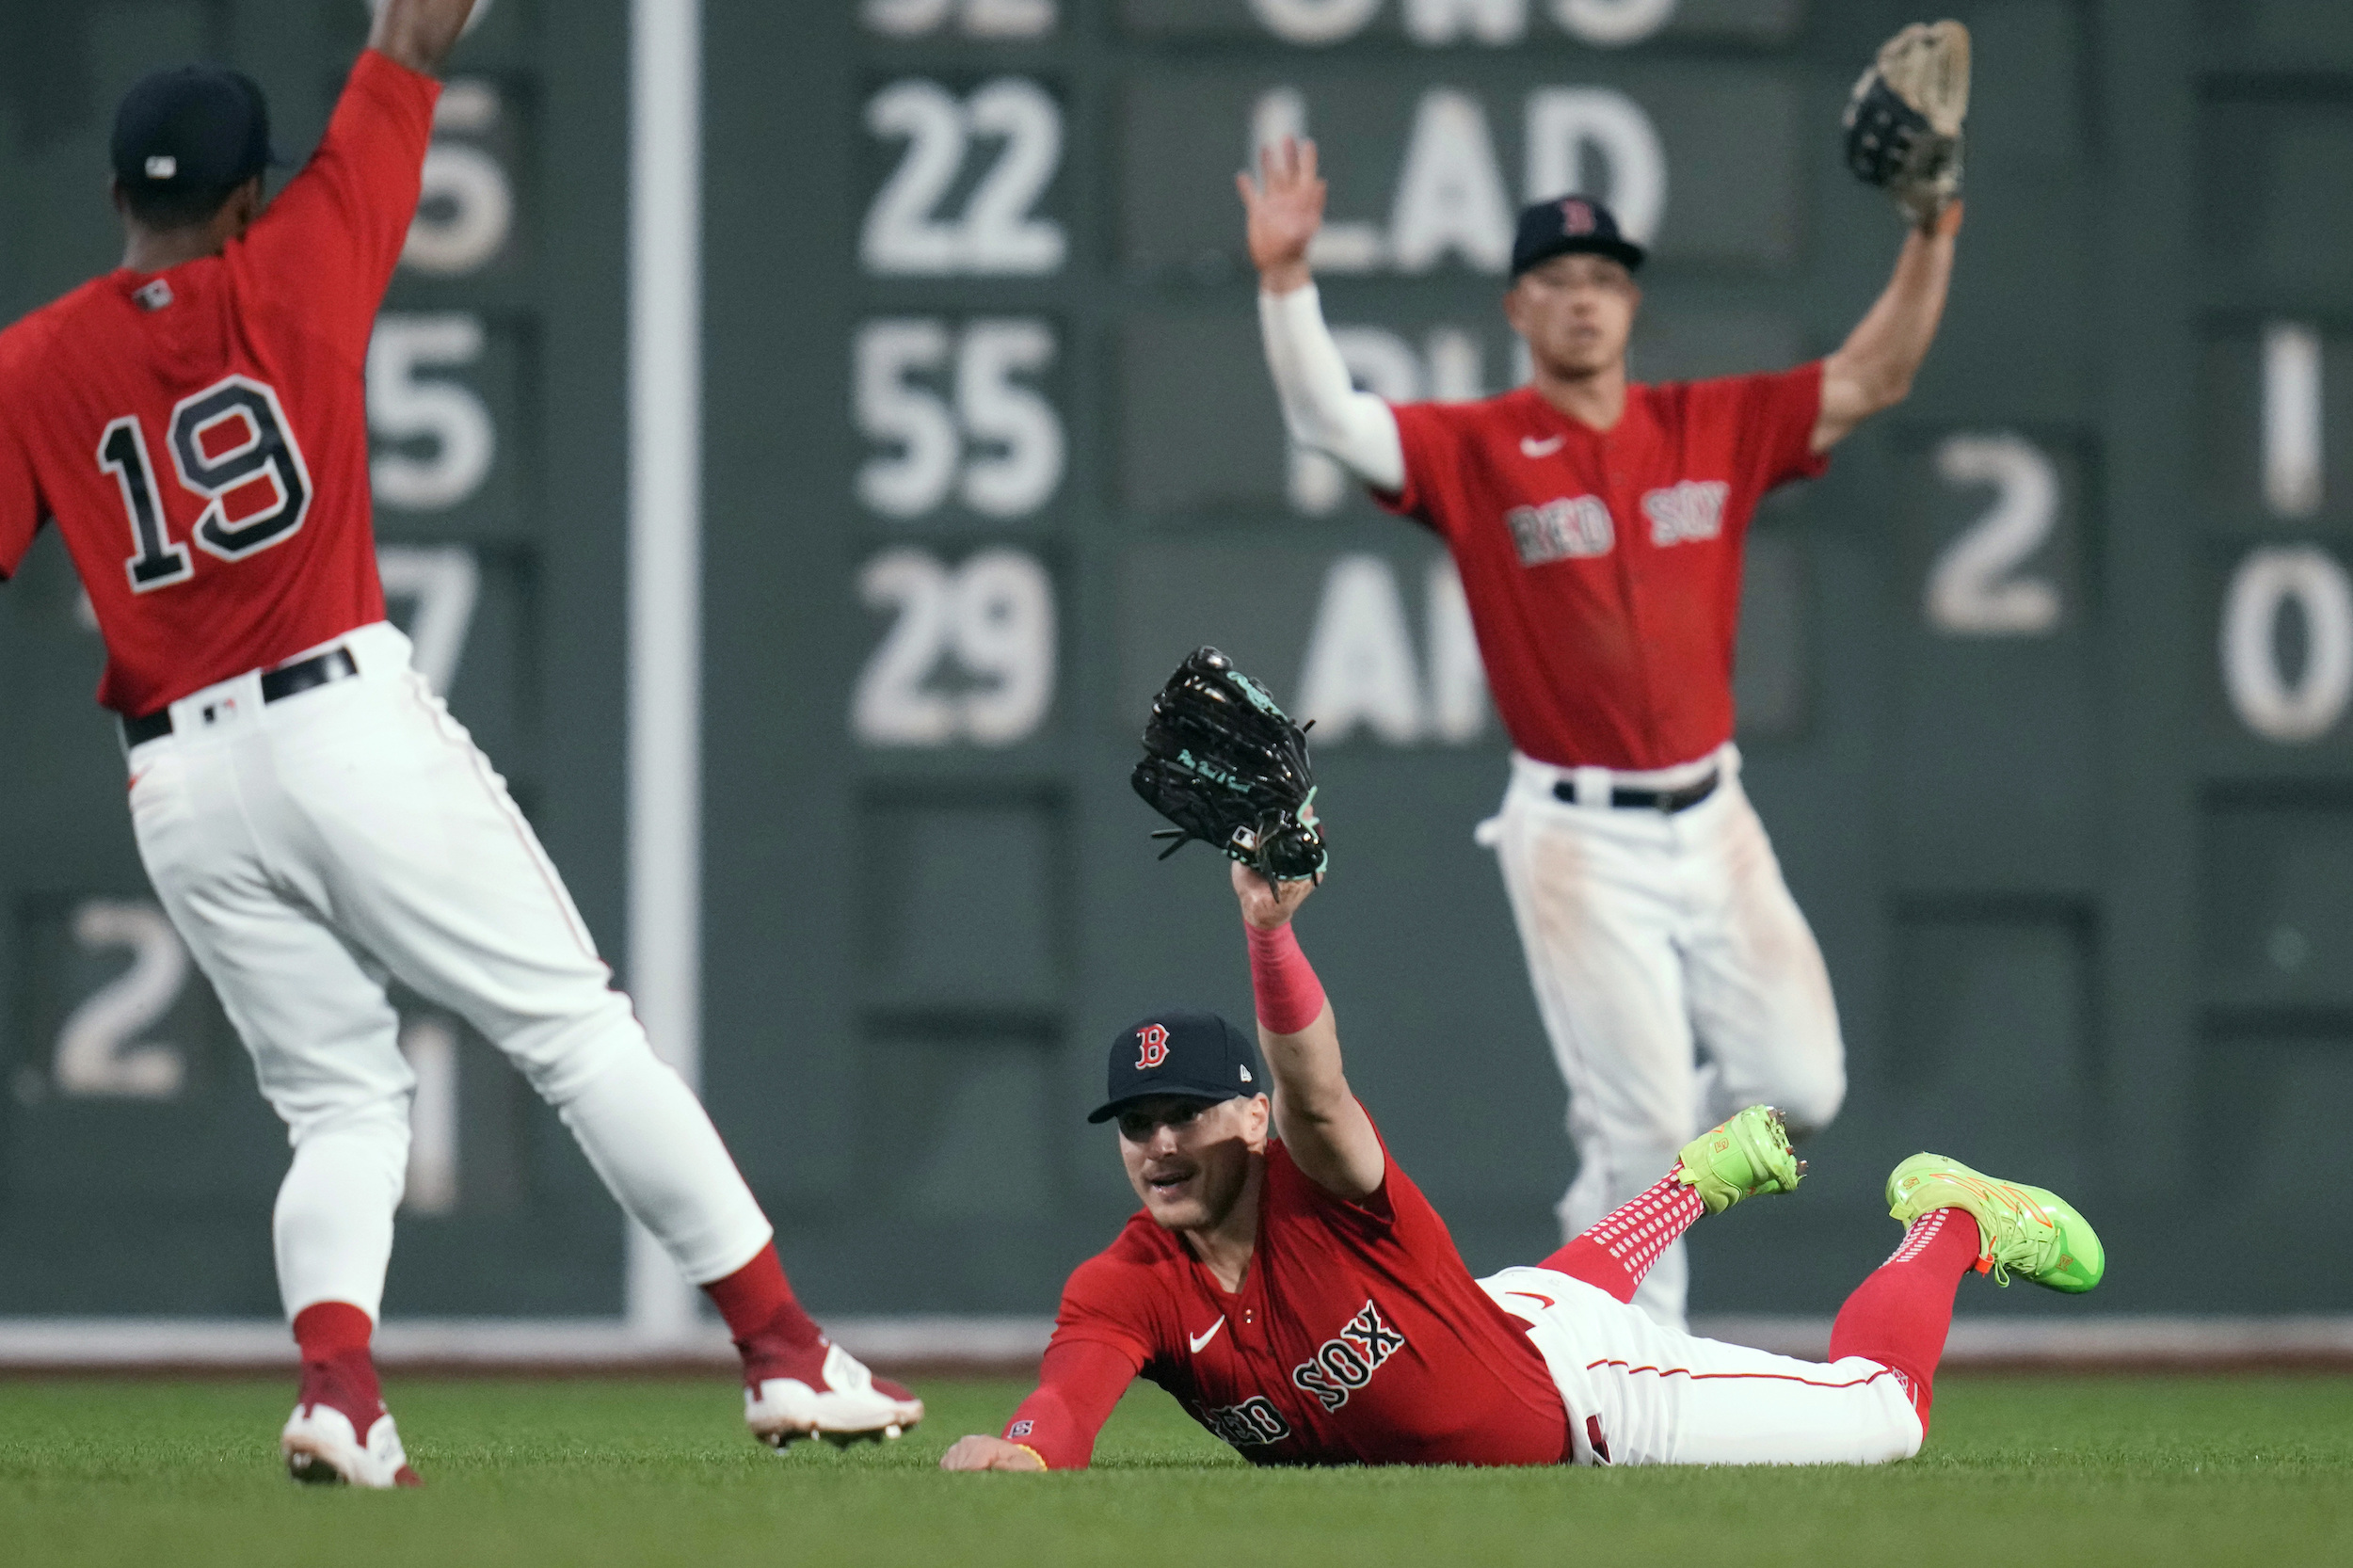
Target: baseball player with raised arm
{"x": 1598, "y": 525}
{"x": 312, "y": 818}
{"x": 1294, "y": 1290}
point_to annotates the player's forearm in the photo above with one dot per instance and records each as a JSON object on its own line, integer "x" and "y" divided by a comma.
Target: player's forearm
{"x": 419, "y": 33}
{"x": 1875, "y": 366}
{"x": 1079, "y": 1383}
{"x": 1317, "y": 1113}
{"x": 1322, "y": 407}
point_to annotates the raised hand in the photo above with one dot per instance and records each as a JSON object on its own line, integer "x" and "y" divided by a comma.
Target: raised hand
{"x": 1286, "y": 207}
{"x": 1267, "y": 905}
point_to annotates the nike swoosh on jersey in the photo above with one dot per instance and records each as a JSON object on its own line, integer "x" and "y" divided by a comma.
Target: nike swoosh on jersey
{"x": 1533, "y": 1297}
{"x": 1531, "y": 447}
{"x": 1199, "y": 1341}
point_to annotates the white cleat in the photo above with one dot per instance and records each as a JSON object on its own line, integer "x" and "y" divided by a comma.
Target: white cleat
{"x": 849, "y": 1406}
{"x": 321, "y": 1447}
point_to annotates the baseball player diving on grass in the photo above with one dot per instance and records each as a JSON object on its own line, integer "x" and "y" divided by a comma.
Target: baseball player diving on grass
{"x": 1293, "y": 1287}
{"x": 313, "y": 819}
{"x": 1598, "y": 525}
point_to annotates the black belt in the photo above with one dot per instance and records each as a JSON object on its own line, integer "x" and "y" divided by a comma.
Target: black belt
{"x": 1669, "y": 801}
{"x": 285, "y": 681}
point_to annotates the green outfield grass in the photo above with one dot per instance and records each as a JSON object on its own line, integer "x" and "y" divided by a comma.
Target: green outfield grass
{"x": 2065, "y": 1472}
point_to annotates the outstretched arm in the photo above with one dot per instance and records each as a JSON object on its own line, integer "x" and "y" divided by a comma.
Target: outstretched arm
{"x": 1873, "y": 369}
{"x": 1079, "y": 1383}
{"x": 1329, "y": 1136}
{"x": 419, "y": 33}
{"x": 1321, "y": 407}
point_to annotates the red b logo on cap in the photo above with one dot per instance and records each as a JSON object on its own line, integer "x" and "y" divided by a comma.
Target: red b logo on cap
{"x": 1155, "y": 1051}
{"x": 1577, "y": 217}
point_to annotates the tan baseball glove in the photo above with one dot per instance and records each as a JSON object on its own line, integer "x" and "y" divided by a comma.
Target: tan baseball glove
{"x": 1904, "y": 118}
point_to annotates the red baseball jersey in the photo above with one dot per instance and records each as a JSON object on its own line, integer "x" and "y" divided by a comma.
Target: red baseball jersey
{"x": 201, "y": 435}
{"x": 1359, "y": 1335}
{"x": 1603, "y": 568}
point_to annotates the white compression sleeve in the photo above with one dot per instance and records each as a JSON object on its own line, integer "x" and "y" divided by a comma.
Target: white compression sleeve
{"x": 1321, "y": 407}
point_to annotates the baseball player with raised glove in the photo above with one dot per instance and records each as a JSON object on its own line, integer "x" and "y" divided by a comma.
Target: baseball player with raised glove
{"x": 1294, "y": 1290}
{"x": 313, "y": 819}
{"x": 1598, "y": 527}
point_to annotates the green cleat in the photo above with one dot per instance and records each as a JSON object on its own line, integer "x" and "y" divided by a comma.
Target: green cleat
{"x": 2021, "y": 1230}
{"x": 1747, "y": 1155}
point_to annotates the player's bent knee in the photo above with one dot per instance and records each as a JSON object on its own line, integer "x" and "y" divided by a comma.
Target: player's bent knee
{"x": 559, "y": 1057}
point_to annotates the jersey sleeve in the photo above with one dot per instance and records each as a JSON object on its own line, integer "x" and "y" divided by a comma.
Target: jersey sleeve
{"x": 1775, "y": 415}
{"x": 1431, "y": 443}
{"x": 1103, "y": 1336}
{"x": 1078, "y": 1388}
{"x": 20, "y": 493}
{"x": 334, "y": 234}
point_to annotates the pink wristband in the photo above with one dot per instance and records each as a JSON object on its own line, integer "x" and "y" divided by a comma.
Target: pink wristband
{"x": 1290, "y": 996}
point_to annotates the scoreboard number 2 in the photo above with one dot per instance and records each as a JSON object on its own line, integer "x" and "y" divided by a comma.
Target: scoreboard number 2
{"x": 969, "y": 657}
{"x": 996, "y": 234}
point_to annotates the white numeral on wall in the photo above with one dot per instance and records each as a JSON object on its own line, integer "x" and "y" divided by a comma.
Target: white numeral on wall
{"x": 996, "y": 234}
{"x": 445, "y": 582}
{"x": 406, "y": 406}
{"x": 2292, "y": 440}
{"x": 466, "y": 209}
{"x": 970, "y": 655}
{"x": 1976, "y": 587}
{"x": 98, "y": 1050}
{"x": 2269, "y": 700}
{"x": 431, "y": 1047}
{"x": 981, "y": 18}
{"x": 997, "y": 446}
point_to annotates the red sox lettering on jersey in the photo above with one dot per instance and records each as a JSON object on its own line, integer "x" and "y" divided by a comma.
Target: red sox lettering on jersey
{"x": 1602, "y": 567}
{"x": 1347, "y": 1361}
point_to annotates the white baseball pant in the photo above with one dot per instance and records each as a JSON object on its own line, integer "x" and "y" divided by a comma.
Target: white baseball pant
{"x": 1639, "y": 1393}
{"x": 1651, "y": 938}
{"x": 308, "y": 848}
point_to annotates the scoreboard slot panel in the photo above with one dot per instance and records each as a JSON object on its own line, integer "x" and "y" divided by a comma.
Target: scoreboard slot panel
{"x": 1993, "y": 1007}
{"x": 2275, "y": 176}
{"x": 2271, "y": 1090}
{"x": 961, "y": 902}
{"x": 1426, "y": 176}
{"x": 2276, "y": 883}
{"x": 1469, "y": 25}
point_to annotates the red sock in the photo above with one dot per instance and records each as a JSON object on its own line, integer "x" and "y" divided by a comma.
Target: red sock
{"x": 337, "y": 1371}
{"x": 772, "y": 1333}
{"x": 1899, "y": 1316}
{"x": 1618, "y": 1252}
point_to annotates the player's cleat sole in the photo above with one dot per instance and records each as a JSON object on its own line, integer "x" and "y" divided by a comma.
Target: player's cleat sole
{"x": 2027, "y": 1231}
{"x": 1740, "y": 1159}
{"x": 322, "y": 1449}
{"x": 848, "y": 1405}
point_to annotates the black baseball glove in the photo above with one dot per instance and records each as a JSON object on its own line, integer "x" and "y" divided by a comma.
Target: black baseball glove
{"x": 1904, "y": 120}
{"x": 1228, "y": 767}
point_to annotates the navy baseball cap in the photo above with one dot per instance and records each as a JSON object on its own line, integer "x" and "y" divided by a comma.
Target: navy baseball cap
{"x": 1567, "y": 224}
{"x": 191, "y": 128}
{"x": 1196, "y": 1054}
